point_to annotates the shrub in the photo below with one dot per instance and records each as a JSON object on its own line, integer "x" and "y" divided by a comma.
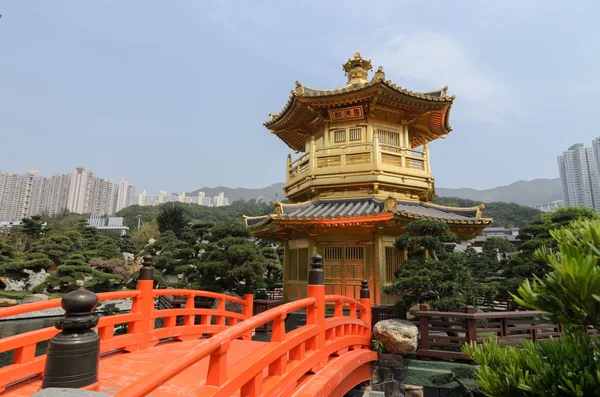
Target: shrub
{"x": 569, "y": 366}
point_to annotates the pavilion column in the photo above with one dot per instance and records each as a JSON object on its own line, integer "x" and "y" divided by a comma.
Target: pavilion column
{"x": 427, "y": 164}
{"x": 378, "y": 267}
{"x": 286, "y": 269}
{"x": 406, "y": 135}
{"x": 312, "y": 159}
{"x": 376, "y": 151}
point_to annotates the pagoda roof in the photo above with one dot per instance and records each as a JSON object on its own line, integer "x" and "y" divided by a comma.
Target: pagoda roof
{"x": 367, "y": 208}
{"x": 429, "y": 118}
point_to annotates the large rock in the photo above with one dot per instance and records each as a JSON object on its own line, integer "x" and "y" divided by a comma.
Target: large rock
{"x": 7, "y": 302}
{"x": 397, "y": 336}
{"x": 35, "y": 298}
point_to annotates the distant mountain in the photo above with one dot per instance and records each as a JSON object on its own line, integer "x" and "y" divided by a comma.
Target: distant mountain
{"x": 529, "y": 193}
{"x": 266, "y": 194}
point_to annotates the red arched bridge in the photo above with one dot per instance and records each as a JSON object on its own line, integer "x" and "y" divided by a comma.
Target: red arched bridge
{"x": 198, "y": 351}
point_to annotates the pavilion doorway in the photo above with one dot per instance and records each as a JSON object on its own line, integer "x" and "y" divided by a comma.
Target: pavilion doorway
{"x": 344, "y": 268}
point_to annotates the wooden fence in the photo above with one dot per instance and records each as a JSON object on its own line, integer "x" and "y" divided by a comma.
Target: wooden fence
{"x": 442, "y": 334}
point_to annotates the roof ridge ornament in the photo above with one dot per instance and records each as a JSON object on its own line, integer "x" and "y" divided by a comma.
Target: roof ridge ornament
{"x": 379, "y": 74}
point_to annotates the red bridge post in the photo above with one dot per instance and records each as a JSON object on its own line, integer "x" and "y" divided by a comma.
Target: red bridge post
{"x": 316, "y": 315}
{"x": 365, "y": 301}
{"x": 248, "y": 309}
{"x": 145, "y": 303}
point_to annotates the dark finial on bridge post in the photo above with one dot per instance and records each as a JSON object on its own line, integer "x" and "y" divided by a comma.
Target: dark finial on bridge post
{"x": 364, "y": 290}
{"x": 73, "y": 354}
{"x": 315, "y": 274}
{"x": 146, "y": 272}
{"x": 248, "y": 289}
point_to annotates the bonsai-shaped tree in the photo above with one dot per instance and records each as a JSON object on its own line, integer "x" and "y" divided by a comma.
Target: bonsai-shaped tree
{"x": 444, "y": 279}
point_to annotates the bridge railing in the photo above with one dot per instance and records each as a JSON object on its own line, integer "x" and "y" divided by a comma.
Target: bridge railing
{"x": 277, "y": 366}
{"x": 139, "y": 322}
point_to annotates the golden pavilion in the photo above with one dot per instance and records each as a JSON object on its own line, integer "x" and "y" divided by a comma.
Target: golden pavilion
{"x": 363, "y": 173}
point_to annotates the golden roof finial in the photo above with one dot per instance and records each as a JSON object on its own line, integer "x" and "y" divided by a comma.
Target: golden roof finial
{"x": 357, "y": 69}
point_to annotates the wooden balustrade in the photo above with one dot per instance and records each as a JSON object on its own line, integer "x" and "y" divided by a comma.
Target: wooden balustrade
{"x": 442, "y": 334}
{"x": 357, "y": 154}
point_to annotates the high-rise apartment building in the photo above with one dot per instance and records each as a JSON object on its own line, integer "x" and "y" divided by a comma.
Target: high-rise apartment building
{"x": 30, "y": 194}
{"x": 579, "y": 176}
{"x": 79, "y": 190}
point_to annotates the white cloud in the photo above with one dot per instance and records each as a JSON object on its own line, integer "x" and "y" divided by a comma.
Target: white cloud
{"x": 433, "y": 61}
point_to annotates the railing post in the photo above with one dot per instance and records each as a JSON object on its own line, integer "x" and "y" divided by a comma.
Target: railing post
{"x": 249, "y": 308}
{"x": 424, "y": 327}
{"x": 376, "y": 151}
{"x": 145, "y": 285}
{"x": 365, "y": 300}
{"x": 471, "y": 332}
{"x": 316, "y": 316}
{"x": 74, "y": 354}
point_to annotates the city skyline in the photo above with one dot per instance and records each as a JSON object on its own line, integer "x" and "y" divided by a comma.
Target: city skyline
{"x": 29, "y": 194}
{"x": 164, "y": 114}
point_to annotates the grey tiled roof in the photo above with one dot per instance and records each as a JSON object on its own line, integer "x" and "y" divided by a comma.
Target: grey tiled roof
{"x": 332, "y": 209}
{"x": 338, "y": 209}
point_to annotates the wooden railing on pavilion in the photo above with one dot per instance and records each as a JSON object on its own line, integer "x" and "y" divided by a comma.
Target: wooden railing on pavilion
{"x": 361, "y": 154}
{"x": 442, "y": 334}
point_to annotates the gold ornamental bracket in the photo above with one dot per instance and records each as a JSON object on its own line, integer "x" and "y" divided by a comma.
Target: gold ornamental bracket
{"x": 391, "y": 205}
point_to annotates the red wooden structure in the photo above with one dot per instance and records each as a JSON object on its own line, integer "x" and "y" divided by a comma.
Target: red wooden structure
{"x": 217, "y": 357}
{"x": 443, "y": 334}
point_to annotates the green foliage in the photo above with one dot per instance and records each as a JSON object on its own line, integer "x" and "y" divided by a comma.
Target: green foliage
{"x": 32, "y": 227}
{"x": 569, "y": 366}
{"x": 142, "y": 236}
{"x": 198, "y": 213}
{"x": 274, "y": 269}
{"x": 571, "y": 291}
{"x": 504, "y": 214}
{"x": 377, "y": 346}
{"x": 126, "y": 244}
{"x": 498, "y": 244}
{"x": 445, "y": 279}
{"x": 430, "y": 235}
{"x": 173, "y": 219}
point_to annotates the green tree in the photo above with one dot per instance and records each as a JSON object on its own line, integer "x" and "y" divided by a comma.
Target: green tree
{"x": 571, "y": 290}
{"x": 444, "y": 279}
{"x": 141, "y": 237}
{"x": 274, "y": 274}
{"x": 430, "y": 235}
{"x": 172, "y": 218}
{"x": 526, "y": 265}
{"x": 229, "y": 260}
{"x": 126, "y": 244}
{"x": 33, "y": 227}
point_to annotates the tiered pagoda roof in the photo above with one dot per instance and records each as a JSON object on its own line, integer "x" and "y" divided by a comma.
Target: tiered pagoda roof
{"x": 427, "y": 112}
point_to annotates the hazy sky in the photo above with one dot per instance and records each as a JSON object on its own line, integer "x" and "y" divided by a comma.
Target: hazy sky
{"x": 172, "y": 94}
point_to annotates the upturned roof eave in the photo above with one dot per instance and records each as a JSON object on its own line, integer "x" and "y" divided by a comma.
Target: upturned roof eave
{"x": 298, "y": 94}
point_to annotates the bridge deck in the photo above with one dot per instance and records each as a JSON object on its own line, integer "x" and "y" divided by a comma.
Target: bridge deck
{"x": 119, "y": 369}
